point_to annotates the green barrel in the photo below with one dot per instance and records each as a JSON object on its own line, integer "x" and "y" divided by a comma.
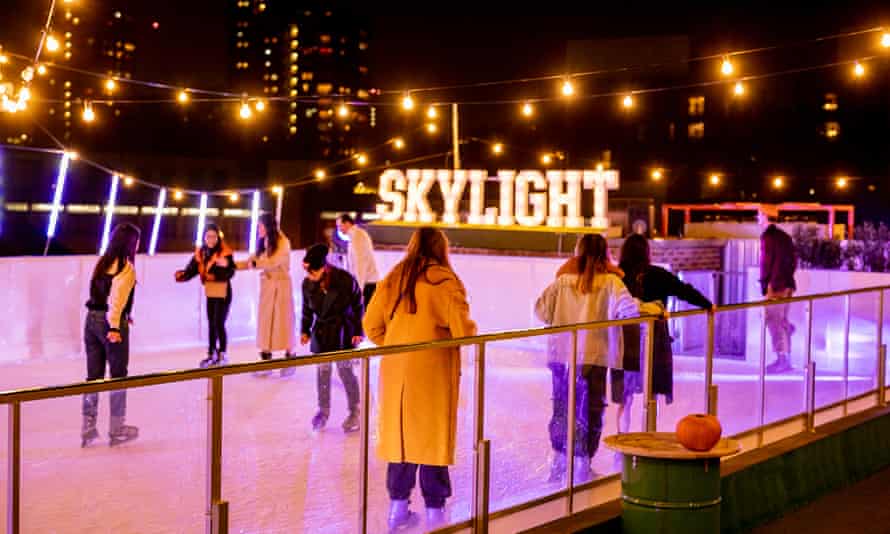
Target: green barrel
{"x": 665, "y": 496}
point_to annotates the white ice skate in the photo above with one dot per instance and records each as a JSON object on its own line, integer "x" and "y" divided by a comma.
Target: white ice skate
{"x": 400, "y": 517}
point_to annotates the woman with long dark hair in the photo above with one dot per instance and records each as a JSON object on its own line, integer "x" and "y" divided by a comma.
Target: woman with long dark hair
{"x": 421, "y": 299}
{"x": 276, "y": 316}
{"x": 107, "y": 331}
{"x": 649, "y": 283}
{"x": 214, "y": 263}
{"x": 588, "y": 291}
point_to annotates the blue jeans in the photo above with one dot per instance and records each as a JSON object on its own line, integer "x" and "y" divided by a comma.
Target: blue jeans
{"x": 101, "y": 352}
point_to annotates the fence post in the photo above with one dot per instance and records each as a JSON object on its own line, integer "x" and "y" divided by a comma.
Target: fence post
{"x": 363, "y": 449}
{"x": 480, "y": 460}
{"x": 217, "y": 510}
{"x": 709, "y": 364}
{"x": 14, "y": 469}
{"x": 762, "y": 377}
{"x": 846, "y": 350}
{"x": 882, "y": 376}
{"x": 483, "y": 453}
{"x": 811, "y": 372}
{"x": 651, "y": 407}
{"x": 570, "y": 424}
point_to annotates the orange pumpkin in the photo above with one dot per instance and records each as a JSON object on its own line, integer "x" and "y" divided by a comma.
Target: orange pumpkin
{"x": 699, "y": 432}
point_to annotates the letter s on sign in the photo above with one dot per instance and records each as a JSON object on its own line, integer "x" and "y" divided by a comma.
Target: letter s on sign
{"x": 392, "y": 206}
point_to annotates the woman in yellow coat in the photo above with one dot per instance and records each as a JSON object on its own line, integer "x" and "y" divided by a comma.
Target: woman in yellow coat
{"x": 421, "y": 299}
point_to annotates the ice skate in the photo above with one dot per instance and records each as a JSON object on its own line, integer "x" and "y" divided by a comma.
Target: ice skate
{"x": 557, "y": 467}
{"x": 208, "y": 361}
{"x": 320, "y": 420}
{"x": 583, "y": 472}
{"x": 288, "y": 371}
{"x": 121, "y": 433}
{"x": 221, "y": 359}
{"x": 435, "y": 518}
{"x": 781, "y": 365}
{"x": 262, "y": 374}
{"x": 88, "y": 432}
{"x": 400, "y": 517}
{"x": 352, "y": 423}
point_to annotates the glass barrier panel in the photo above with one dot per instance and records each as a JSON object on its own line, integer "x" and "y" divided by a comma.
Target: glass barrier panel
{"x": 785, "y": 327}
{"x": 526, "y": 384}
{"x": 279, "y": 473}
{"x": 885, "y": 334}
{"x": 155, "y": 483}
{"x": 679, "y": 350}
{"x": 738, "y": 335}
{"x": 829, "y": 347}
{"x": 864, "y": 344}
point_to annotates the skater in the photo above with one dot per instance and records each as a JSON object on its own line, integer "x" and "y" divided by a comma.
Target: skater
{"x": 107, "y": 331}
{"x": 421, "y": 299}
{"x": 591, "y": 293}
{"x": 276, "y": 316}
{"x": 778, "y": 262}
{"x": 649, "y": 284}
{"x": 332, "y": 320}
{"x": 215, "y": 265}
{"x": 360, "y": 259}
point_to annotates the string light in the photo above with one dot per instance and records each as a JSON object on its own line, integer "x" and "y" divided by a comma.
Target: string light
{"x": 72, "y": 155}
{"x": 110, "y": 85}
{"x": 497, "y": 148}
{"x": 24, "y": 94}
{"x": 234, "y": 197}
{"x": 129, "y": 181}
{"x": 546, "y": 159}
{"x": 431, "y": 128}
{"x": 657, "y": 174}
{"x": 407, "y": 102}
{"x": 628, "y": 102}
{"x": 41, "y": 70}
{"x": 431, "y": 113}
{"x": 528, "y": 109}
{"x": 841, "y": 182}
{"x": 738, "y": 89}
{"x": 277, "y": 190}
{"x": 177, "y": 195}
{"x": 260, "y": 106}
{"x": 885, "y": 40}
{"x": 88, "y": 114}
{"x": 183, "y": 97}
{"x": 320, "y": 174}
{"x": 567, "y": 88}
{"x": 52, "y": 44}
{"x": 726, "y": 67}
{"x": 4, "y": 59}
{"x": 343, "y": 111}
{"x": 858, "y": 70}
{"x": 714, "y": 179}
{"x": 362, "y": 159}
{"x": 398, "y": 143}
{"x": 245, "y": 113}
{"x": 778, "y": 182}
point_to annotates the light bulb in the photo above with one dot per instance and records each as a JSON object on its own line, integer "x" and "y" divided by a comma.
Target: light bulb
{"x": 177, "y": 195}
{"x": 320, "y": 174}
{"x": 398, "y": 143}
{"x": 277, "y": 190}
{"x": 4, "y": 59}
{"x": 260, "y": 105}
{"x": 362, "y": 159}
{"x": 431, "y": 128}
{"x": 182, "y": 97}
{"x": 885, "y": 40}
{"x": 858, "y": 70}
{"x": 657, "y": 174}
{"x": 841, "y": 182}
{"x": 128, "y": 181}
{"x": 343, "y": 111}
{"x": 72, "y": 155}
{"x": 546, "y": 159}
{"x": 110, "y": 85}
{"x": 234, "y": 196}
{"x": 727, "y": 67}
{"x": 738, "y": 89}
{"x": 567, "y": 88}
{"x": 407, "y": 102}
{"x": 88, "y": 114}
{"x": 41, "y": 70}
{"x": 24, "y": 94}
{"x": 52, "y": 44}
{"x": 245, "y": 112}
{"x": 497, "y": 148}
{"x": 778, "y": 182}
{"x": 628, "y": 101}
{"x": 431, "y": 113}
{"x": 528, "y": 110}
{"x": 714, "y": 179}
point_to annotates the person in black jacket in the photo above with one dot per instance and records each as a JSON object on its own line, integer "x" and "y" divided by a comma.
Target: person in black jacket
{"x": 214, "y": 264}
{"x": 648, "y": 283}
{"x": 332, "y": 320}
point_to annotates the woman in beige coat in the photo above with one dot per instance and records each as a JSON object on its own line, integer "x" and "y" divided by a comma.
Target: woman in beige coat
{"x": 275, "y": 317}
{"x": 421, "y": 299}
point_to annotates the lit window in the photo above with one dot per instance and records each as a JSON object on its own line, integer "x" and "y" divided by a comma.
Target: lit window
{"x": 696, "y": 106}
{"x": 696, "y": 130}
{"x": 293, "y": 93}
{"x": 293, "y": 105}
{"x": 324, "y": 38}
{"x": 307, "y": 75}
{"x": 294, "y": 68}
{"x": 275, "y": 89}
{"x": 324, "y": 88}
{"x": 293, "y": 118}
{"x": 294, "y": 56}
{"x": 268, "y": 52}
{"x": 274, "y": 77}
{"x": 832, "y": 129}
{"x": 293, "y": 82}
{"x": 363, "y": 46}
{"x": 294, "y": 45}
{"x": 293, "y": 130}
{"x": 294, "y": 31}
{"x": 830, "y": 102}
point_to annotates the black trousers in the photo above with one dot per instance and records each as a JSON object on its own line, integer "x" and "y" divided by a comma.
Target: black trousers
{"x": 590, "y": 405}
{"x": 101, "y": 352}
{"x": 368, "y": 292}
{"x": 350, "y": 383}
{"x": 217, "y": 313}
{"x": 435, "y": 483}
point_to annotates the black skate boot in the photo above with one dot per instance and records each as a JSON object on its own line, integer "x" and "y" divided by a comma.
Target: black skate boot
{"x": 320, "y": 420}
{"x": 352, "y": 422}
{"x": 208, "y": 361}
{"x": 263, "y": 356}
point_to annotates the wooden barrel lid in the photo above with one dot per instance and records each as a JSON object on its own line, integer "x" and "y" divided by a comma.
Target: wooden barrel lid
{"x": 665, "y": 445}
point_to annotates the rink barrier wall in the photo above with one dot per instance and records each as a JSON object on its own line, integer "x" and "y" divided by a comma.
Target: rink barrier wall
{"x": 568, "y": 501}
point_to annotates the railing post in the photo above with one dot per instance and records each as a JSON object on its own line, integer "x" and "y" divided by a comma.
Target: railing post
{"x": 762, "y": 376}
{"x": 217, "y": 511}
{"x": 713, "y": 396}
{"x": 811, "y": 372}
{"x": 651, "y": 405}
{"x": 846, "y": 350}
{"x": 881, "y": 345}
{"x": 365, "y": 393}
{"x": 14, "y": 469}
{"x": 709, "y": 364}
{"x": 570, "y": 424}
{"x": 882, "y": 376}
{"x": 481, "y": 459}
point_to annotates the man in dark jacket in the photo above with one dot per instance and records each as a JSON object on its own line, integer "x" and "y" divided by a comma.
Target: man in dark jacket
{"x": 778, "y": 262}
{"x": 332, "y": 320}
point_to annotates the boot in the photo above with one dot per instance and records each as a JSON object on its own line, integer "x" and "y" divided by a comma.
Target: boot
{"x": 88, "y": 432}
{"x": 781, "y": 365}
{"x": 288, "y": 371}
{"x": 320, "y": 420}
{"x": 400, "y": 516}
{"x": 583, "y": 473}
{"x": 557, "y": 467}
{"x": 120, "y": 432}
{"x": 263, "y": 356}
{"x": 208, "y": 361}
{"x": 221, "y": 358}
{"x": 352, "y": 423}
{"x": 435, "y": 518}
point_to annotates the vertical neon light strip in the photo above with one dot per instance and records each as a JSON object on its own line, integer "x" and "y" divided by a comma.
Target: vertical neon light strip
{"x": 153, "y": 244}
{"x": 57, "y": 196}
{"x": 109, "y": 212}
{"x": 202, "y": 216}
{"x": 254, "y": 218}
